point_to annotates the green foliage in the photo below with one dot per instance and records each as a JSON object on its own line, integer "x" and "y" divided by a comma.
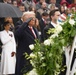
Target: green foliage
{"x": 46, "y": 57}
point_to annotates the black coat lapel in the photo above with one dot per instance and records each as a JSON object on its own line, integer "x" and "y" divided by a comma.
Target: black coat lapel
{"x": 29, "y": 33}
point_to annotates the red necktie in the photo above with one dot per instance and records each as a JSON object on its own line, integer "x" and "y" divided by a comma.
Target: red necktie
{"x": 33, "y": 32}
{"x": 45, "y": 22}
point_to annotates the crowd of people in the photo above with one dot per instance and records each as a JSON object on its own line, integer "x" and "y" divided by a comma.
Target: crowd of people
{"x": 38, "y": 16}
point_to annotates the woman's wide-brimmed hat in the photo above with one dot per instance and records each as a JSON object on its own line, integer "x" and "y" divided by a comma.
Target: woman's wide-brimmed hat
{"x": 64, "y": 2}
{"x": 72, "y": 5}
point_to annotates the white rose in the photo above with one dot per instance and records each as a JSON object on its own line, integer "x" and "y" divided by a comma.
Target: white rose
{"x": 42, "y": 58}
{"x": 53, "y": 36}
{"x": 32, "y": 55}
{"x": 32, "y": 72}
{"x": 58, "y": 29}
{"x": 31, "y": 61}
{"x": 71, "y": 21}
{"x": 51, "y": 41}
{"x": 50, "y": 55}
{"x": 57, "y": 65}
{"x": 40, "y": 54}
{"x": 31, "y": 46}
{"x": 47, "y": 42}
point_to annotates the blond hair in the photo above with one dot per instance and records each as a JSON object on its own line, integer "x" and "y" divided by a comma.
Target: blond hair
{"x": 27, "y": 15}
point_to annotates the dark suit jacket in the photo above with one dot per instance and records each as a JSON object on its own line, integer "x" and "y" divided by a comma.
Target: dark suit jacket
{"x": 45, "y": 34}
{"x": 19, "y": 22}
{"x": 25, "y": 38}
{"x": 42, "y": 25}
{"x": 63, "y": 55}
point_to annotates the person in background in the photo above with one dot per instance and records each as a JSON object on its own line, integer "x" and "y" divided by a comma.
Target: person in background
{"x": 38, "y": 5}
{"x": 74, "y": 1}
{"x": 10, "y": 20}
{"x": 21, "y": 20}
{"x": 19, "y": 24}
{"x": 5, "y": 1}
{"x": 42, "y": 23}
{"x": 51, "y": 7}
{"x": 32, "y": 8}
{"x": 65, "y": 4}
{"x": 68, "y": 12}
{"x": 14, "y": 2}
{"x": 35, "y": 1}
{"x": 26, "y": 35}
{"x": 8, "y": 55}
{"x": 54, "y": 2}
{"x": 19, "y": 2}
{"x": 53, "y": 15}
{"x": 62, "y": 9}
{"x": 41, "y": 10}
{"x": 27, "y": 3}
{"x": 9, "y": 1}
{"x": 72, "y": 7}
{"x": 22, "y": 7}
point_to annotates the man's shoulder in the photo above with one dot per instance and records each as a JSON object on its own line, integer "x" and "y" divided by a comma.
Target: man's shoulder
{"x": 3, "y": 31}
{"x": 49, "y": 25}
{"x": 19, "y": 22}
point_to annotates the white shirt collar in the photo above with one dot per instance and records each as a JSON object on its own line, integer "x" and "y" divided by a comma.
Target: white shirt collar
{"x": 43, "y": 19}
{"x": 54, "y": 24}
{"x": 30, "y": 26}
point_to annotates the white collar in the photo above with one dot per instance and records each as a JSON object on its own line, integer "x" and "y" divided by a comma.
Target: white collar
{"x": 30, "y": 26}
{"x": 53, "y": 24}
{"x": 43, "y": 19}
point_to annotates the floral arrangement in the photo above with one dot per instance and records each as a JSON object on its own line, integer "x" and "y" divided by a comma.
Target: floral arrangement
{"x": 46, "y": 57}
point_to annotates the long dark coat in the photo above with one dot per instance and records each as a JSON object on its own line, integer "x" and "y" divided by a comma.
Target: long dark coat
{"x": 42, "y": 25}
{"x": 25, "y": 38}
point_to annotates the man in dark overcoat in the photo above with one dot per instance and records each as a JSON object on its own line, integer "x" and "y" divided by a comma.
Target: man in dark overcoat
{"x": 26, "y": 35}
